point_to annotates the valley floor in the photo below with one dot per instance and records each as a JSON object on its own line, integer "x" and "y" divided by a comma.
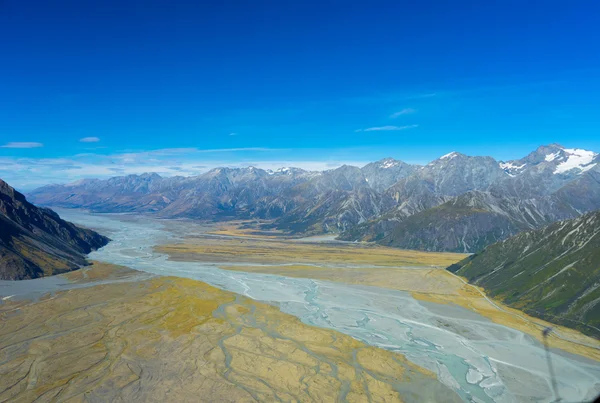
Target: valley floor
{"x": 114, "y": 337}
{"x": 420, "y": 273}
{"x": 213, "y": 316}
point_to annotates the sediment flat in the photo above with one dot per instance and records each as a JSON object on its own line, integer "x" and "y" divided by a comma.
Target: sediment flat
{"x": 420, "y": 273}
{"x": 175, "y": 339}
{"x": 268, "y": 251}
{"x": 470, "y": 353}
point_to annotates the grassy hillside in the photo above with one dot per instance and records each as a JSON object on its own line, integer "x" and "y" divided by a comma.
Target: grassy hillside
{"x": 552, "y": 273}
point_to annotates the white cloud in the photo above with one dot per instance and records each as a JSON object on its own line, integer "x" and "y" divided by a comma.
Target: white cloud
{"x": 89, "y": 140}
{"x": 387, "y": 128}
{"x": 406, "y": 111}
{"x": 24, "y": 144}
{"x": 233, "y": 134}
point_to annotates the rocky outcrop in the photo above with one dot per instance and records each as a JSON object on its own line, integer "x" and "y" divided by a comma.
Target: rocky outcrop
{"x": 36, "y": 242}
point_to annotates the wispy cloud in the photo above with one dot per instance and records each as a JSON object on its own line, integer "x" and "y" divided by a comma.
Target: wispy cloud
{"x": 425, "y": 95}
{"x": 89, "y": 140}
{"x": 28, "y": 173}
{"x": 391, "y": 97}
{"x": 387, "y": 128}
{"x": 184, "y": 152}
{"x": 406, "y": 111}
{"x": 22, "y": 144}
{"x": 228, "y": 150}
{"x": 233, "y": 134}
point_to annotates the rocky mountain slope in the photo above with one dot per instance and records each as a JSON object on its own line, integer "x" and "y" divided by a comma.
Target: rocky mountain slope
{"x": 298, "y": 200}
{"x": 438, "y": 182}
{"x": 36, "y": 242}
{"x": 384, "y": 173}
{"x": 454, "y": 203}
{"x": 459, "y": 203}
{"x": 552, "y": 273}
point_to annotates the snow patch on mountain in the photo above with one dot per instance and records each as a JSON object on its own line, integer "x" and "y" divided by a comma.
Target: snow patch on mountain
{"x": 449, "y": 155}
{"x": 284, "y": 171}
{"x": 510, "y": 165}
{"x": 511, "y": 169}
{"x": 389, "y": 164}
{"x": 576, "y": 159}
{"x": 552, "y": 157}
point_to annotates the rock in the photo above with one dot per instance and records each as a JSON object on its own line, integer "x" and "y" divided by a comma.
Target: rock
{"x": 36, "y": 242}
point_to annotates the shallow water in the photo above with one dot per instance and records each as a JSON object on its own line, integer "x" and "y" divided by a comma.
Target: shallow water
{"x": 36, "y": 288}
{"x": 319, "y": 238}
{"x": 469, "y": 353}
{"x": 31, "y": 289}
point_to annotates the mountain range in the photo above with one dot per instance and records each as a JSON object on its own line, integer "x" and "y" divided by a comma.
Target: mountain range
{"x": 455, "y": 203}
{"x": 552, "y": 273}
{"x": 36, "y": 242}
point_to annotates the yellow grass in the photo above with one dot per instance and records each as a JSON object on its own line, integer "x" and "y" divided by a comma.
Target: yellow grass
{"x": 234, "y": 228}
{"x": 375, "y": 266}
{"x": 470, "y": 297}
{"x": 273, "y": 252}
{"x": 424, "y": 280}
{"x": 174, "y": 339}
{"x": 98, "y": 271}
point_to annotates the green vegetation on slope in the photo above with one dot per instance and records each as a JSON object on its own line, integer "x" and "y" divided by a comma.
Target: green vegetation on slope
{"x": 552, "y": 273}
{"x": 451, "y": 228}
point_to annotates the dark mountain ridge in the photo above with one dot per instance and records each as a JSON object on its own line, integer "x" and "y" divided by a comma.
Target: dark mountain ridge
{"x": 36, "y": 242}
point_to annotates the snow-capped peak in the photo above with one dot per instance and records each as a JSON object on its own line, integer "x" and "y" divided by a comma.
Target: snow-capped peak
{"x": 282, "y": 170}
{"x": 576, "y": 159}
{"x": 388, "y": 163}
{"x": 449, "y": 155}
{"x": 552, "y": 157}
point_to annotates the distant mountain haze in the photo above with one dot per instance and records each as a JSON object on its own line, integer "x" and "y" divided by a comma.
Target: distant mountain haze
{"x": 455, "y": 203}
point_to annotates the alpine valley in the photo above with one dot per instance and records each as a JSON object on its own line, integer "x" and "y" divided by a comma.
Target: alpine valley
{"x": 299, "y": 202}
{"x": 389, "y": 282}
{"x": 456, "y": 203}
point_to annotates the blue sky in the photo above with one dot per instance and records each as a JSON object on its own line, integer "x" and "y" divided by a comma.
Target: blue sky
{"x": 182, "y": 86}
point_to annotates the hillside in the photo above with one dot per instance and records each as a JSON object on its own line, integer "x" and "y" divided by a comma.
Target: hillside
{"x": 467, "y": 223}
{"x": 36, "y": 242}
{"x": 462, "y": 204}
{"x": 552, "y": 273}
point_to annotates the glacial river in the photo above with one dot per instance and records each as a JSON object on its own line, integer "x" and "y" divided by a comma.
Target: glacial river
{"x": 481, "y": 360}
